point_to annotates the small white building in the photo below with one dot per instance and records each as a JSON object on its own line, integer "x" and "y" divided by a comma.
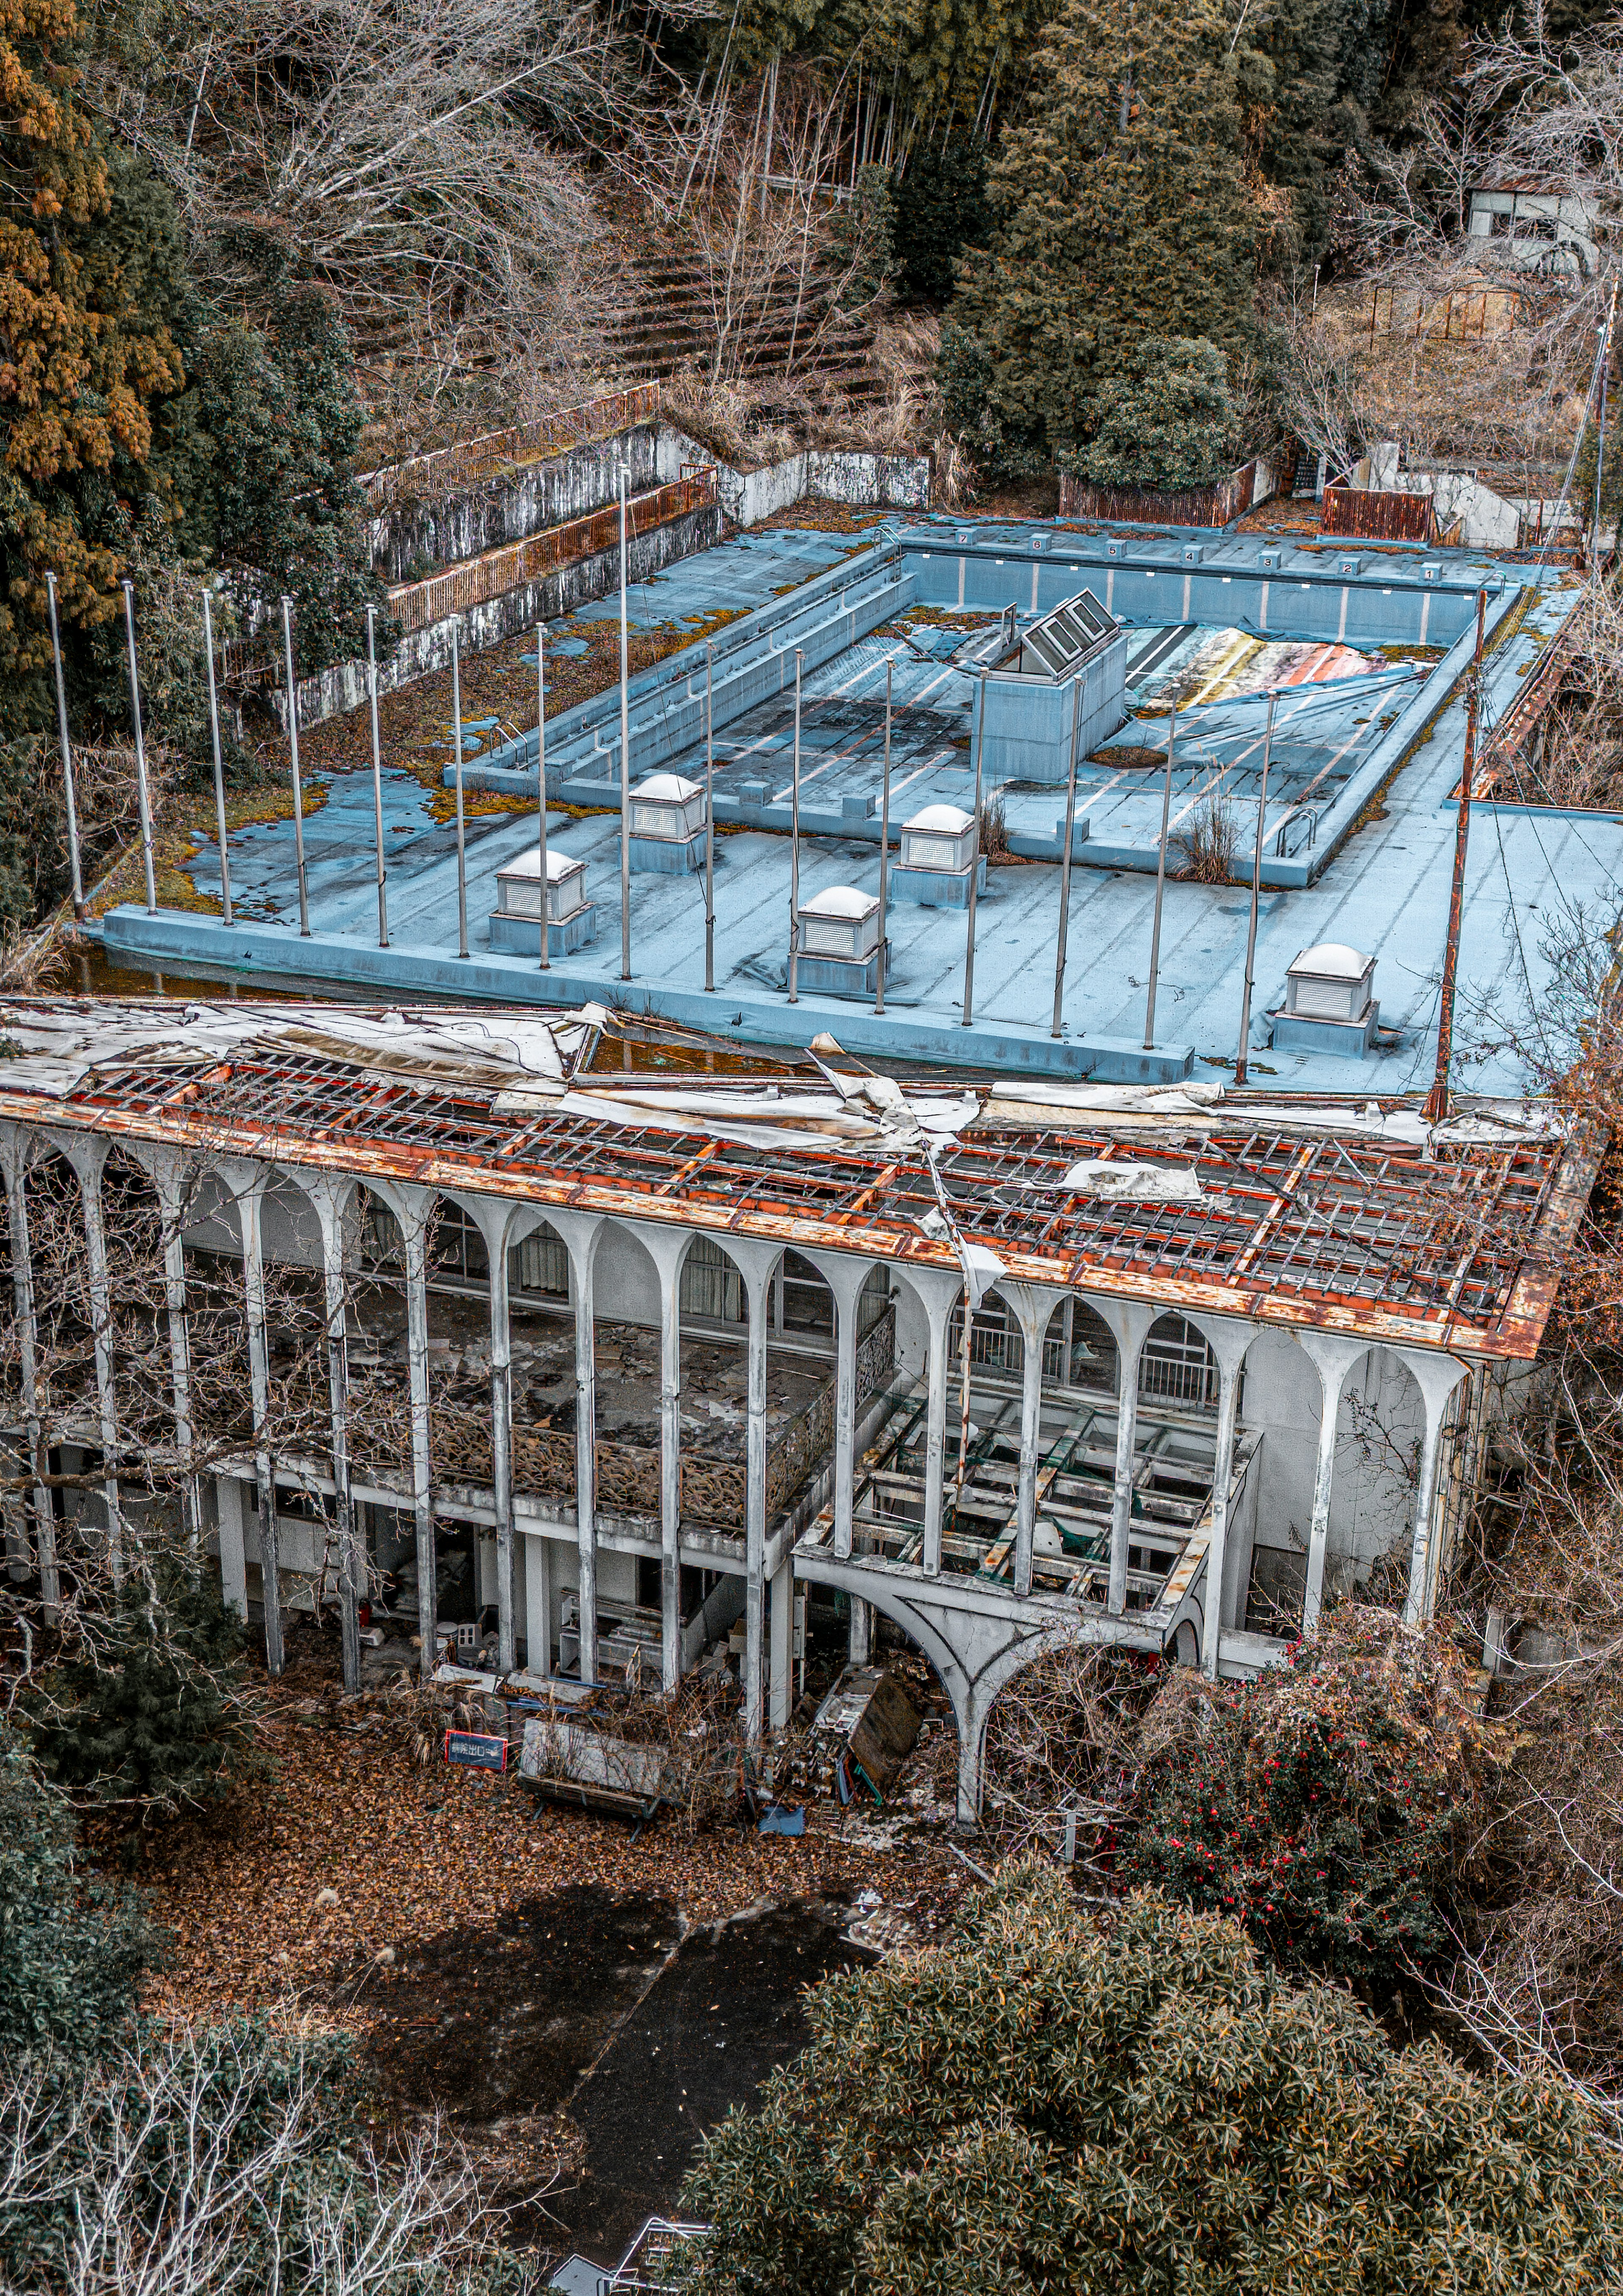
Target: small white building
{"x": 1536, "y": 225}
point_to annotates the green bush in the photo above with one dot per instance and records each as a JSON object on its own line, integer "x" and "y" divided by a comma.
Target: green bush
{"x": 71, "y": 1951}
{"x": 1054, "y": 2102}
{"x": 1322, "y": 1805}
{"x": 158, "y": 1723}
{"x": 1171, "y": 422}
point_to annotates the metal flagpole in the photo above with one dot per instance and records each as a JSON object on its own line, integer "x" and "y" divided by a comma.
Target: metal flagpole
{"x": 546, "y": 897}
{"x": 62, "y": 728}
{"x": 461, "y": 850}
{"x": 794, "y": 850}
{"x": 1250, "y": 936}
{"x": 292, "y": 736}
{"x": 625, "y": 754}
{"x": 884, "y": 846}
{"x": 1437, "y": 1100}
{"x": 219, "y": 768}
{"x": 1160, "y": 888}
{"x": 377, "y": 771}
{"x": 142, "y": 793}
{"x": 1070, "y": 823}
{"x": 709, "y": 818}
{"x": 969, "y": 943}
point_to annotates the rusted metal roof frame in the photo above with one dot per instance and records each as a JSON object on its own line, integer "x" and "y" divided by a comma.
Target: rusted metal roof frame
{"x": 1128, "y": 1249}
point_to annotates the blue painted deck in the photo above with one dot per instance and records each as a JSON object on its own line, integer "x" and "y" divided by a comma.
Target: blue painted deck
{"x": 1386, "y": 889}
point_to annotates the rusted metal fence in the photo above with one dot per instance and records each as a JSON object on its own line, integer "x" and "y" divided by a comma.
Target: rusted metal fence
{"x": 472, "y": 460}
{"x": 415, "y": 605}
{"x": 1213, "y": 505}
{"x": 1377, "y": 517}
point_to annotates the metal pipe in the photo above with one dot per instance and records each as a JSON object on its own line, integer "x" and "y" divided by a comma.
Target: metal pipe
{"x": 62, "y": 728}
{"x": 625, "y": 753}
{"x": 1250, "y": 936}
{"x": 1600, "y": 436}
{"x": 546, "y": 897}
{"x": 1437, "y": 1099}
{"x": 377, "y": 771}
{"x": 461, "y": 848}
{"x": 884, "y": 847}
{"x": 143, "y": 795}
{"x": 969, "y": 943}
{"x": 219, "y": 768}
{"x": 1161, "y": 887}
{"x": 709, "y": 816}
{"x": 794, "y": 850}
{"x": 1071, "y": 823}
{"x": 292, "y": 736}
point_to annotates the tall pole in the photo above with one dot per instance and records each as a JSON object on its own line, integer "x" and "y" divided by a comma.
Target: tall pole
{"x": 625, "y": 754}
{"x": 292, "y": 736}
{"x": 1161, "y": 887}
{"x": 1250, "y": 936}
{"x": 62, "y": 728}
{"x": 969, "y": 940}
{"x": 1437, "y": 1099}
{"x": 377, "y": 771}
{"x": 794, "y": 850}
{"x": 1070, "y": 823}
{"x": 219, "y": 765}
{"x": 461, "y": 848}
{"x": 1600, "y": 436}
{"x": 546, "y": 893}
{"x": 709, "y": 816}
{"x": 143, "y": 795}
{"x": 884, "y": 847}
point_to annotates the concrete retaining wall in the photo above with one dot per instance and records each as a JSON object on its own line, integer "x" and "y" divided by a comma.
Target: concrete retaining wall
{"x": 411, "y": 537}
{"x": 344, "y": 686}
{"x": 899, "y": 481}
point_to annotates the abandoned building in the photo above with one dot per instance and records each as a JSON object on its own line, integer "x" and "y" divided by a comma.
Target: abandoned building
{"x": 617, "y": 1342}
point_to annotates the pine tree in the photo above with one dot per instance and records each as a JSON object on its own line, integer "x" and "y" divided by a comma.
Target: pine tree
{"x": 80, "y": 364}
{"x": 1122, "y": 212}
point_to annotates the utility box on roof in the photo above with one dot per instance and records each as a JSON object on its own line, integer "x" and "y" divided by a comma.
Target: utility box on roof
{"x": 666, "y": 826}
{"x": 937, "y": 849}
{"x": 1329, "y": 1006}
{"x": 515, "y": 921}
{"x": 839, "y": 941}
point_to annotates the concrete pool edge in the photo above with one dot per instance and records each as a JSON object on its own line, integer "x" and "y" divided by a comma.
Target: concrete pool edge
{"x": 177, "y": 937}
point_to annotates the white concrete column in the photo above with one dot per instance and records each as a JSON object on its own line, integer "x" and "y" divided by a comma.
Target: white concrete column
{"x": 1333, "y": 1355}
{"x": 1228, "y": 1340}
{"x": 1130, "y": 1322}
{"x": 414, "y": 1210}
{"x": 581, "y": 1232}
{"x": 757, "y": 1262}
{"x": 861, "y": 1631}
{"x": 668, "y": 1248}
{"x": 1437, "y": 1376}
{"x": 537, "y": 1606}
{"x": 502, "y": 1223}
{"x": 167, "y": 1168}
{"x": 1034, "y": 1305}
{"x": 333, "y": 1195}
{"x": 16, "y": 1152}
{"x": 247, "y": 1183}
{"x": 781, "y": 1675}
{"x": 938, "y": 1290}
{"x": 845, "y": 1277}
{"x": 233, "y": 1559}
{"x": 87, "y": 1153}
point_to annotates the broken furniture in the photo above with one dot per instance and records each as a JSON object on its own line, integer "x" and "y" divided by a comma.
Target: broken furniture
{"x": 867, "y": 1725}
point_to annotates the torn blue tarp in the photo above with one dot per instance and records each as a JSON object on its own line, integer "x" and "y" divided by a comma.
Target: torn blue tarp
{"x": 782, "y": 1821}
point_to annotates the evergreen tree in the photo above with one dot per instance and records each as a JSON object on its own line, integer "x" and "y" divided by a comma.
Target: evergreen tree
{"x": 81, "y": 361}
{"x": 1170, "y": 423}
{"x": 159, "y": 1724}
{"x": 1121, "y": 211}
{"x": 71, "y": 1950}
{"x": 1050, "y": 2103}
{"x": 939, "y": 208}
